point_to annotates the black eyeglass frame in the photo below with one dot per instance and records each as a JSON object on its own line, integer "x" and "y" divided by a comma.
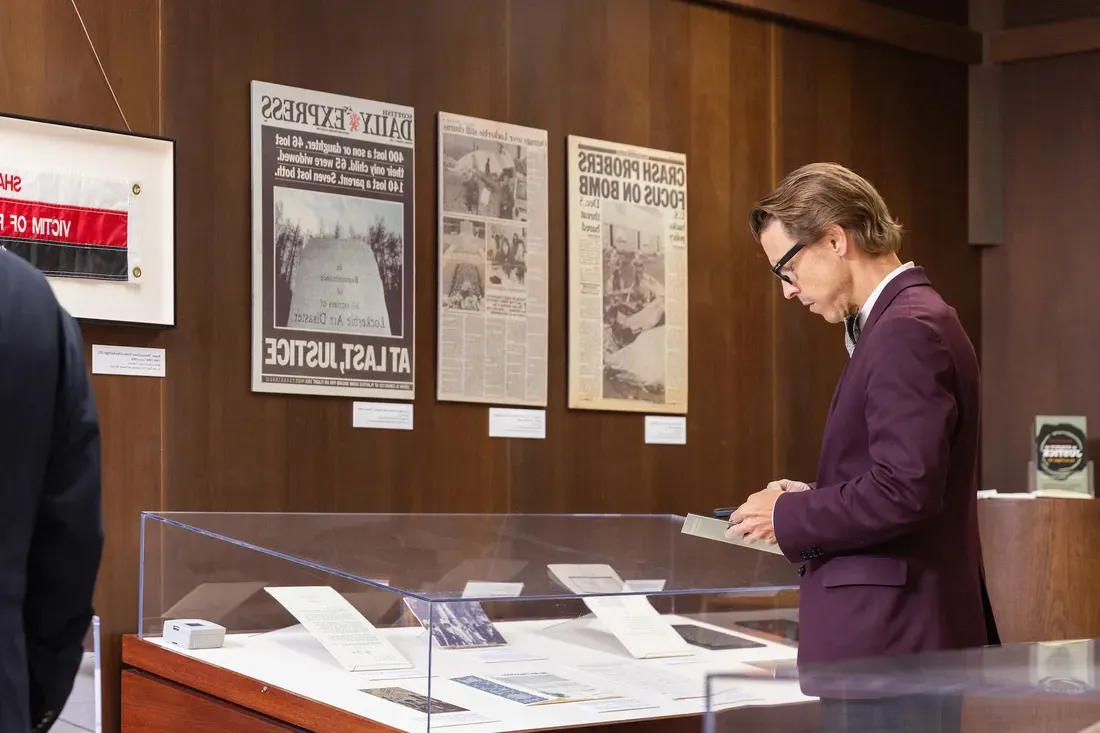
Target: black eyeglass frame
{"x": 782, "y": 262}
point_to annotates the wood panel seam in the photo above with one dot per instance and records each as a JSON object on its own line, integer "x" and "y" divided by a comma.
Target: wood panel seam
{"x": 774, "y": 112}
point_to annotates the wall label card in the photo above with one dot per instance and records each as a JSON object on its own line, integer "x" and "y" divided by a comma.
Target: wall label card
{"x": 332, "y": 244}
{"x": 507, "y": 422}
{"x": 493, "y": 262}
{"x": 129, "y": 361}
{"x": 382, "y": 415}
{"x": 665, "y": 430}
{"x": 628, "y": 278}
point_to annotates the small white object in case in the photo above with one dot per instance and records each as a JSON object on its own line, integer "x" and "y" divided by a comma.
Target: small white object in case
{"x": 194, "y": 633}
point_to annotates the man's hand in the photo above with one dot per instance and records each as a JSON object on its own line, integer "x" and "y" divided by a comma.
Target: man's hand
{"x": 753, "y": 519}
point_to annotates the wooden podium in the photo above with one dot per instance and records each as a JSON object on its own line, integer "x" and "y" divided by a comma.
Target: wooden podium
{"x": 1042, "y": 567}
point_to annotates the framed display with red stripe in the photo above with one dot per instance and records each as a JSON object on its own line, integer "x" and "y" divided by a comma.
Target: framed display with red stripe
{"x": 94, "y": 210}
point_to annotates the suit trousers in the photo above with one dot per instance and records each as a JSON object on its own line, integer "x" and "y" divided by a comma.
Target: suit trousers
{"x": 907, "y": 714}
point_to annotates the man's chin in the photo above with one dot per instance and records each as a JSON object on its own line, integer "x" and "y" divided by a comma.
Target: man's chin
{"x": 829, "y": 316}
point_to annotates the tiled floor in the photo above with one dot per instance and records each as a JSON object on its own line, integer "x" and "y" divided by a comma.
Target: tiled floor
{"x": 79, "y": 713}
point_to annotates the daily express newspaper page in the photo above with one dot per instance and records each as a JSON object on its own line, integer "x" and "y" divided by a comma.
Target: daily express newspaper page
{"x": 332, "y": 244}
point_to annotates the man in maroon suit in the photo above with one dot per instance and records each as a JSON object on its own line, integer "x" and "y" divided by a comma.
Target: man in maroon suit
{"x": 886, "y": 537}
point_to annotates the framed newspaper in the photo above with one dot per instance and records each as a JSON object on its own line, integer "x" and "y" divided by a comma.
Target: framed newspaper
{"x": 493, "y": 262}
{"x": 333, "y": 268}
{"x": 628, "y": 278}
{"x": 94, "y": 210}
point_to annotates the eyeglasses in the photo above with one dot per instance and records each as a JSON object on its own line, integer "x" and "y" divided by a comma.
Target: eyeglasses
{"x": 782, "y": 262}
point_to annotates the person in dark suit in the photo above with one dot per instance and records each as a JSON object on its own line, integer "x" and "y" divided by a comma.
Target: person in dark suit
{"x": 886, "y": 536}
{"x": 51, "y": 533}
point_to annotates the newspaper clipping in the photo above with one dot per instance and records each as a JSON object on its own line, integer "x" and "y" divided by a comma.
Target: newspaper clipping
{"x": 332, "y": 244}
{"x": 628, "y": 306}
{"x": 493, "y": 262}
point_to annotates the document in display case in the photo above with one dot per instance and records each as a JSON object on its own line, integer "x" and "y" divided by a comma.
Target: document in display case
{"x": 1020, "y": 688}
{"x": 481, "y": 622}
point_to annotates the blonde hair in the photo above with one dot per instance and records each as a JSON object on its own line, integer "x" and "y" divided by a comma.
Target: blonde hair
{"x": 815, "y": 196}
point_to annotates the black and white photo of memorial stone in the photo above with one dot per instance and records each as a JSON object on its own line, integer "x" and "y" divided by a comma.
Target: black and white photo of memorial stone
{"x": 339, "y": 263}
{"x": 484, "y": 178}
{"x": 633, "y": 302}
{"x": 462, "y": 265}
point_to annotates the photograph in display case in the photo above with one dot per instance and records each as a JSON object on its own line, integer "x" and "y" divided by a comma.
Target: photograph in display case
{"x": 414, "y": 700}
{"x": 712, "y": 639}
{"x": 508, "y": 692}
{"x": 456, "y": 623}
{"x": 93, "y": 210}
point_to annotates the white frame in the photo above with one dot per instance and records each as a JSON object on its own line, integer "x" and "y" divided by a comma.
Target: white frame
{"x": 148, "y": 298}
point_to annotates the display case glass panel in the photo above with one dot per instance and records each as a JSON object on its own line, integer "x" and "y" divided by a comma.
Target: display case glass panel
{"x": 1040, "y": 687}
{"x": 484, "y": 622}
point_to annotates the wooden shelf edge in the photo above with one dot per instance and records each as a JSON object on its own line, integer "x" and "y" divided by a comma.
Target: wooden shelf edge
{"x": 274, "y": 702}
{"x": 1043, "y": 41}
{"x": 151, "y": 703}
{"x": 871, "y": 22}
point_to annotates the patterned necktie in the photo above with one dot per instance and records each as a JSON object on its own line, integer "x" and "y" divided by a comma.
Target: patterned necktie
{"x": 851, "y": 332}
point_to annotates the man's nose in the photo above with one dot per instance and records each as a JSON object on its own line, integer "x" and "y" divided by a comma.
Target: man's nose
{"x": 789, "y": 291}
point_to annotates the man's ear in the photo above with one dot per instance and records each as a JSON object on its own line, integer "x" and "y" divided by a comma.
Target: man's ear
{"x": 837, "y": 239}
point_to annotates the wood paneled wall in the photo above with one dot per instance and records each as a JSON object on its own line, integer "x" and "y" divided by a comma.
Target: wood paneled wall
{"x": 745, "y": 98}
{"x": 1040, "y": 298}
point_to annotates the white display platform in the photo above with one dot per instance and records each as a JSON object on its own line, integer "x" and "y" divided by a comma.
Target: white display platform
{"x": 291, "y": 659}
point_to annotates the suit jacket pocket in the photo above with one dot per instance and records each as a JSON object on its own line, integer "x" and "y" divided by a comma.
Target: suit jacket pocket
{"x": 864, "y": 570}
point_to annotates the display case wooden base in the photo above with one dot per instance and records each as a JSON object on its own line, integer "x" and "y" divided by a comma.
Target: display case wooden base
{"x": 165, "y": 692}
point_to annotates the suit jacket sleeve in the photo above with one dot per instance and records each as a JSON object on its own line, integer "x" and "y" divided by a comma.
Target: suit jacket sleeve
{"x": 911, "y": 414}
{"x": 68, "y": 535}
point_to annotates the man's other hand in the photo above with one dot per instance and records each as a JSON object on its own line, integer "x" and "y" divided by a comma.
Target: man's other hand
{"x": 788, "y": 485}
{"x": 753, "y": 519}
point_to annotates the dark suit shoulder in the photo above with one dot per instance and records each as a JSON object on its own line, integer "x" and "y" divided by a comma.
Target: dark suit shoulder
{"x": 23, "y": 287}
{"x": 919, "y": 304}
{"x": 909, "y": 322}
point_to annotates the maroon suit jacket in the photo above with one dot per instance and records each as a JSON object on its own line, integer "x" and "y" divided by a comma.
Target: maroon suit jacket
{"x": 888, "y": 536}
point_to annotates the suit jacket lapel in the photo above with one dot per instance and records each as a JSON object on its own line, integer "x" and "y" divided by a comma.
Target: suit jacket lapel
{"x": 912, "y": 277}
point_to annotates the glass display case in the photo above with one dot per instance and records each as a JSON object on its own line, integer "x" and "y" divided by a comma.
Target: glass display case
{"x": 1041, "y": 687}
{"x": 488, "y": 622}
